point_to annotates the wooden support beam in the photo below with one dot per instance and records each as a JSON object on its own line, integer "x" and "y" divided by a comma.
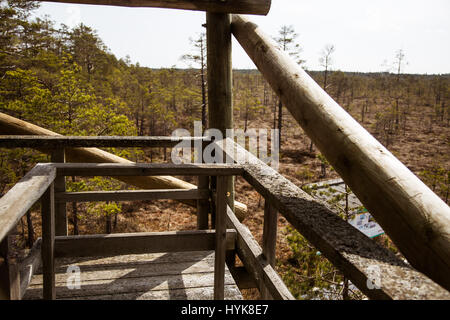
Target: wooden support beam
{"x": 243, "y": 278}
{"x": 132, "y": 195}
{"x": 10, "y": 125}
{"x": 358, "y": 257}
{"x": 48, "y": 243}
{"x": 61, "y": 142}
{"x": 19, "y": 199}
{"x": 269, "y": 242}
{"x": 203, "y": 204}
{"x": 413, "y": 216}
{"x": 254, "y": 261}
{"x": 219, "y": 262}
{"x": 220, "y": 94}
{"x": 145, "y": 169}
{"x": 137, "y": 243}
{"x": 9, "y": 271}
{"x": 29, "y": 265}
{"x": 259, "y": 7}
{"x": 61, "y": 226}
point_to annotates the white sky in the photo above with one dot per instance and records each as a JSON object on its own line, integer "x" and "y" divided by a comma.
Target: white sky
{"x": 364, "y": 32}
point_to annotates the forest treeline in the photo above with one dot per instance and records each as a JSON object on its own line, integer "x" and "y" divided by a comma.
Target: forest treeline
{"x": 66, "y": 80}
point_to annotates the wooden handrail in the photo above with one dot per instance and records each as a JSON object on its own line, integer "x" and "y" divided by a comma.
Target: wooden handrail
{"x": 413, "y": 216}
{"x": 260, "y": 7}
{"x": 145, "y": 169}
{"x": 19, "y": 199}
{"x": 352, "y": 252}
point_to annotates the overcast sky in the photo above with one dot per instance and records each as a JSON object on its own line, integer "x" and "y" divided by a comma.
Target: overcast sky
{"x": 365, "y": 32}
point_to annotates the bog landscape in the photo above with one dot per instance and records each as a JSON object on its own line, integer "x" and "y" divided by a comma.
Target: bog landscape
{"x": 67, "y": 81}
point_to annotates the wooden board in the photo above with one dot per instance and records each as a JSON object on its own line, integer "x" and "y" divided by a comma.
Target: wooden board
{"x": 156, "y": 276}
{"x": 260, "y": 7}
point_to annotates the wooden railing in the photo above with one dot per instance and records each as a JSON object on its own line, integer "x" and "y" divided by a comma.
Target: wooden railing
{"x": 348, "y": 249}
{"x": 413, "y": 216}
{"x": 38, "y": 184}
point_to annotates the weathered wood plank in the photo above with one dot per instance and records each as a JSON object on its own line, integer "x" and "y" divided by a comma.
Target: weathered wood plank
{"x": 9, "y": 271}
{"x": 61, "y": 142}
{"x": 254, "y": 261}
{"x": 220, "y": 243}
{"x": 413, "y": 216}
{"x": 259, "y": 7}
{"x": 132, "y": 195}
{"x": 203, "y": 293}
{"x": 203, "y": 204}
{"x": 353, "y": 253}
{"x": 29, "y": 266}
{"x": 133, "y": 285}
{"x": 146, "y": 169}
{"x": 48, "y": 243}
{"x": 19, "y": 199}
{"x": 143, "y": 242}
{"x": 145, "y": 276}
{"x": 10, "y": 125}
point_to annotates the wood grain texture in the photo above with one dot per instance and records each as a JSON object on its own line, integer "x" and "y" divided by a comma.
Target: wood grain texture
{"x": 60, "y": 186}
{"x": 141, "y": 242}
{"x": 59, "y": 142}
{"x": 414, "y": 217}
{"x": 145, "y": 169}
{"x": 352, "y": 252}
{"x": 48, "y": 243}
{"x": 269, "y": 242}
{"x": 132, "y": 195}
{"x": 13, "y": 126}
{"x": 220, "y": 240}
{"x": 187, "y": 275}
{"x": 259, "y": 7}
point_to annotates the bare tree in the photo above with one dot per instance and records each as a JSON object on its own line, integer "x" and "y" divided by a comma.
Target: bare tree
{"x": 287, "y": 40}
{"x": 199, "y": 58}
{"x": 326, "y": 61}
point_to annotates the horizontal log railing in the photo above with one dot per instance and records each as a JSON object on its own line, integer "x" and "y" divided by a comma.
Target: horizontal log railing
{"x": 39, "y": 184}
{"x": 59, "y": 142}
{"x": 260, "y": 7}
{"x": 352, "y": 252}
{"x": 413, "y": 216}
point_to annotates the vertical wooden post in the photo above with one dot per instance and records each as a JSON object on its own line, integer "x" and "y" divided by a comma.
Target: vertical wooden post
{"x": 220, "y": 99}
{"x": 269, "y": 242}
{"x": 221, "y": 234}
{"x": 9, "y": 271}
{"x": 60, "y": 186}
{"x": 48, "y": 242}
{"x": 202, "y": 205}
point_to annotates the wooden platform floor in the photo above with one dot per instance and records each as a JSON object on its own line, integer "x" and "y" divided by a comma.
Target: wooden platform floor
{"x": 156, "y": 276}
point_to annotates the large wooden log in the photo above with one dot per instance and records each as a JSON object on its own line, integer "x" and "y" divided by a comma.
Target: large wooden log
{"x": 13, "y": 126}
{"x": 220, "y": 92}
{"x": 414, "y": 217}
{"x": 260, "y": 7}
{"x": 358, "y": 257}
